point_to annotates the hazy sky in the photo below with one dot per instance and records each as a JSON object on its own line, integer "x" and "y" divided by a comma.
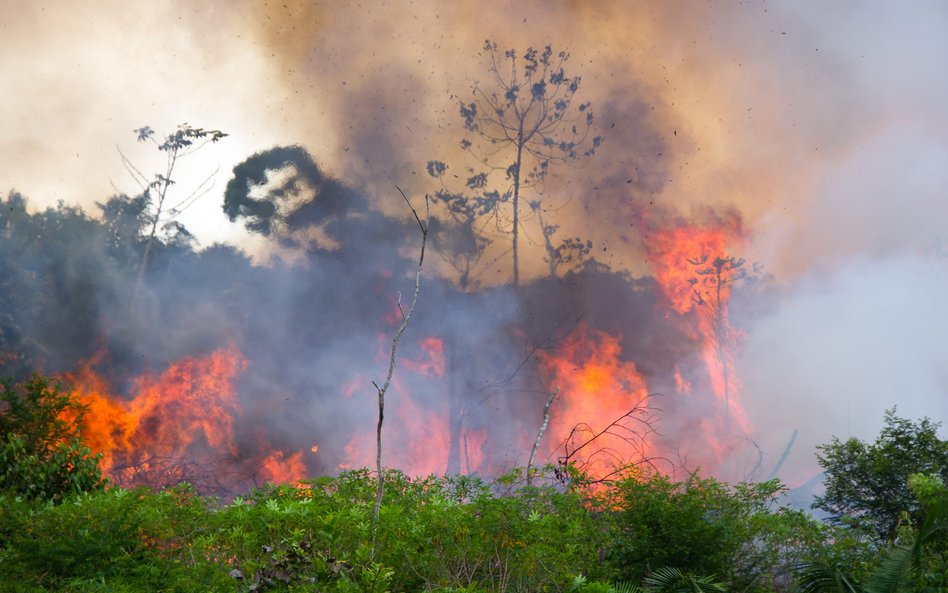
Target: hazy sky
{"x": 824, "y": 123}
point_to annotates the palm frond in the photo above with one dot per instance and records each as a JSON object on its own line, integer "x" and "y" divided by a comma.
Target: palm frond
{"x": 626, "y": 587}
{"x": 815, "y": 577}
{"x": 894, "y": 573}
{"x": 672, "y": 580}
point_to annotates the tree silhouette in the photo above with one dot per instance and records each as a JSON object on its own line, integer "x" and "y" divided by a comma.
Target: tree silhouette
{"x": 185, "y": 140}
{"x": 712, "y": 276}
{"x": 523, "y": 122}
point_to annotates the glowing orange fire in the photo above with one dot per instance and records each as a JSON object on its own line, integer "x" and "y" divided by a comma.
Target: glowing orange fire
{"x": 432, "y": 364}
{"x": 416, "y": 434}
{"x": 186, "y": 412}
{"x": 597, "y": 392}
{"x": 192, "y": 403}
{"x": 694, "y": 271}
{"x": 282, "y": 469}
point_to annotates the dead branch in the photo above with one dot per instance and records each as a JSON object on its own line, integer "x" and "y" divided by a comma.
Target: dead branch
{"x": 536, "y": 443}
{"x": 406, "y": 317}
{"x": 631, "y": 429}
{"x": 783, "y": 457}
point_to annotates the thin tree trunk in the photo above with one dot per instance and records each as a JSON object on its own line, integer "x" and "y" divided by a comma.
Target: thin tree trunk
{"x": 455, "y": 411}
{"x": 406, "y": 317}
{"x": 162, "y": 193}
{"x": 722, "y": 354}
{"x": 516, "y": 208}
{"x": 536, "y": 443}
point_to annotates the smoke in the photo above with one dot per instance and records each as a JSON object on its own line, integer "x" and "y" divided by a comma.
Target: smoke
{"x": 840, "y": 347}
{"x": 858, "y": 332}
{"x": 850, "y": 327}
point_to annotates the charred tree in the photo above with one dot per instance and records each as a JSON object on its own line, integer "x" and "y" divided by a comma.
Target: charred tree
{"x": 543, "y": 425}
{"x": 710, "y": 282}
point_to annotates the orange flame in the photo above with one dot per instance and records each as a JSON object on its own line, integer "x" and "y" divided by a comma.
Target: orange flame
{"x": 692, "y": 267}
{"x": 187, "y": 408}
{"x": 671, "y": 253}
{"x": 282, "y": 469}
{"x": 432, "y": 364}
{"x": 417, "y": 434}
{"x": 599, "y": 394}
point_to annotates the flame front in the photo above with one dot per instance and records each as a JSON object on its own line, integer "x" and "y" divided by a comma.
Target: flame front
{"x": 695, "y": 273}
{"x": 187, "y": 411}
{"x": 600, "y": 420}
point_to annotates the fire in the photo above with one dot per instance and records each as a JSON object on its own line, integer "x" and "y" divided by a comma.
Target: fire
{"x": 683, "y": 386}
{"x": 694, "y": 271}
{"x": 187, "y": 410}
{"x": 672, "y": 254}
{"x": 432, "y": 364}
{"x": 415, "y": 438}
{"x": 282, "y": 469}
{"x": 417, "y": 434}
{"x": 600, "y": 418}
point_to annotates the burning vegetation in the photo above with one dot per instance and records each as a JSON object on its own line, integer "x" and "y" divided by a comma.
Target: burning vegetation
{"x": 204, "y": 366}
{"x": 225, "y": 373}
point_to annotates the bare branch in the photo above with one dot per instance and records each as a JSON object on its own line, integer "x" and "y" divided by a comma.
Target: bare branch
{"x": 391, "y": 361}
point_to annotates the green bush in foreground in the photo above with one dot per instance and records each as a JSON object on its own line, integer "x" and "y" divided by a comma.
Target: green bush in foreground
{"x": 435, "y": 534}
{"x": 115, "y": 540}
{"x": 737, "y": 534}
{"x": 644, "y": 532}
{"x": 42, "y": 455}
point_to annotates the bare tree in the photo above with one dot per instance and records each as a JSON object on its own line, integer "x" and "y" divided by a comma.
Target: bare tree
{"x": 406, "y": 317}
{"x": 182, "y": 142}
{"x": 572, "y": 250}
{"x": 586, "y": 447}
{"x": 524, "y": 122}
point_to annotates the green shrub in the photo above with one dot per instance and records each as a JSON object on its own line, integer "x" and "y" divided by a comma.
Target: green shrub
{"x": 705, "y": 527}
{"x": 115, "y": 540}
{"x": 42, "y": 455}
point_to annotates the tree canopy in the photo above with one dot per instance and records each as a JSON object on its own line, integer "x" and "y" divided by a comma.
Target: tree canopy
{"x": 867, "y": 484}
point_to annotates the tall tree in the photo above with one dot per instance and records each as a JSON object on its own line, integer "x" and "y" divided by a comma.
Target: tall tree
{"x": 185, "y": 140}
{"x": 523, "y": 122}
{"x": 867, "y": 484}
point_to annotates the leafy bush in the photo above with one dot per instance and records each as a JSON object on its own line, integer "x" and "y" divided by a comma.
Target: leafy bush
{"x": 707, "y": 528}
{"x": 644, "y": 533}
{"x": 867, "y": 484}
{"x": 42, "y": 455}
{"x": 433, "y": 534}
{"x": 117, "y": 540}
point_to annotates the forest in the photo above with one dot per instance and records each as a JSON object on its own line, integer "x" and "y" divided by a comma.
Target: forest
{"x": 178, "y": 417}
{"x": 145, "y": 517}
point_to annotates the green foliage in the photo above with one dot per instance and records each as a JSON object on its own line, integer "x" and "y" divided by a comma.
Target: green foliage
{"x": 822, "y": 578}
{"x": 450, "y": 535}
{"x": 704, "y": 527}
{"x": 117, "y": 540}
{"x": 673, "y": 580}
{"x": 867, "y": 484}
{"x": 41, "y": 451}
{"x": 465, "y": 534}
{"x": 891, "y": 495}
